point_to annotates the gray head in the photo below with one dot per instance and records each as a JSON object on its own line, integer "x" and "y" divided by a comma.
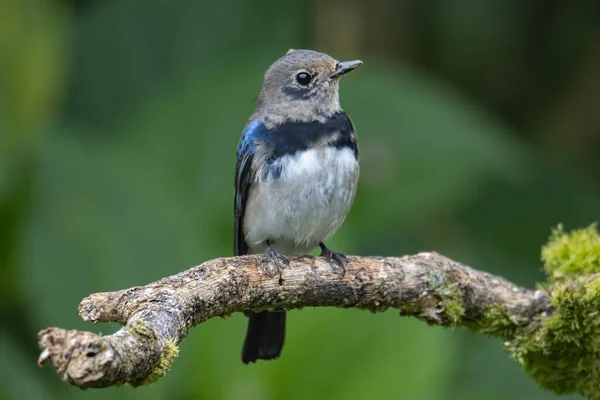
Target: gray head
{"x": 302, "y": 85}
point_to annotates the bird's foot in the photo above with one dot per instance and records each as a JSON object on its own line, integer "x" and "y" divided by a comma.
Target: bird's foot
{"x": 272, "y": 254}
{"x": 339, "y": 258}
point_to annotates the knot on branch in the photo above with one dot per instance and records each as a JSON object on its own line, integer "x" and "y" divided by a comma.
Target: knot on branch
{"x": 81, "y": 358}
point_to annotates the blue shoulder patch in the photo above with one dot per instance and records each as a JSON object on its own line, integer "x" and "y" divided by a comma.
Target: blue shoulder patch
{"x": 250, "y": 132}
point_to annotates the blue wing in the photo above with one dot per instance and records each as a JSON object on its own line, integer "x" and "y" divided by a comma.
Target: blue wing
{"x": 244, "y": 175}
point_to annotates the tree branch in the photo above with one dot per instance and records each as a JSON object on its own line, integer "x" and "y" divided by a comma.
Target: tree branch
{"x": 158, "y": 316}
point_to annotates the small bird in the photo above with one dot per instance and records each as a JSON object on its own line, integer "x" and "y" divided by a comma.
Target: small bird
{"x": 296, "y": 175}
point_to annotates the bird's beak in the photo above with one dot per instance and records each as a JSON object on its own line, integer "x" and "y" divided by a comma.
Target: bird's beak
{"x": 344, "y": 67}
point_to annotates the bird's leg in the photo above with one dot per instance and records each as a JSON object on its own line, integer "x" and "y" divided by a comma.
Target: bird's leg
{"x": 339, "y": 258}
{"x": 272, "y": 254}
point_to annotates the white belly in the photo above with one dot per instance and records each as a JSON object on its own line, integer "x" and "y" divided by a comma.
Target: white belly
{"x": 305, "y": 205}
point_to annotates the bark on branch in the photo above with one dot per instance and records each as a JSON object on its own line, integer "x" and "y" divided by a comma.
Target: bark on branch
{"x": 156, "y": 317}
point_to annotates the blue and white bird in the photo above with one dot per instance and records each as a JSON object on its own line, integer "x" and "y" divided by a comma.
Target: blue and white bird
{"x": 296, "y": 175}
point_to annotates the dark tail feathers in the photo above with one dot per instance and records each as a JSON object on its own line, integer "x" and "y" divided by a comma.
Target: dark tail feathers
{"x": 265, "y": 335}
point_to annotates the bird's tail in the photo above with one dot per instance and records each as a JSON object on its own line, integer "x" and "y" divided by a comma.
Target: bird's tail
{"x": 265, "y": 335}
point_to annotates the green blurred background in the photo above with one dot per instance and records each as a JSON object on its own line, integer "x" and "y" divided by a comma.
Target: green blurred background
{"x": 479, "y": 125}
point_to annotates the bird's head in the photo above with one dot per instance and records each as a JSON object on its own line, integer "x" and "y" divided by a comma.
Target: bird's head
{"x": 303, "y": 84}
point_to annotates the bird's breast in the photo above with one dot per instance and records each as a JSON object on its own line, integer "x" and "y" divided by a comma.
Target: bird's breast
{"x": 301, "y": 199}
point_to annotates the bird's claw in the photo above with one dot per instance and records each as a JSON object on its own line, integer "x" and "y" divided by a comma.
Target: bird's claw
{"x": 272, "y": 254}
{"x": 339, "y": 258}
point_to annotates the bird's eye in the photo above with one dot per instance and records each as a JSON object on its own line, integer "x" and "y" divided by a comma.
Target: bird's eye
{"x": 303, "y": 78}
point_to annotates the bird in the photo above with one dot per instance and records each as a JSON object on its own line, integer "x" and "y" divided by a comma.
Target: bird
{"x": 296, "y": 176}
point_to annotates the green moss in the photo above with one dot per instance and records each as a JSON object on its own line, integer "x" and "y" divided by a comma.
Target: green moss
{"x": 170, "y": 352}
{"x": 575, "y": 253}
{"x": 141, "y": 328}
{"x": 451, "y": 299}
{"x": 497, "y": 321}
{"x": 445, "y": 307}
{"x": 563, "y": 354}
{"x": 561, "y": 351}
{"x": 454, "y": 309}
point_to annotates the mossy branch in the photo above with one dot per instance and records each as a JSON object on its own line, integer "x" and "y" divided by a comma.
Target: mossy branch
{"x": 539, "y": 327}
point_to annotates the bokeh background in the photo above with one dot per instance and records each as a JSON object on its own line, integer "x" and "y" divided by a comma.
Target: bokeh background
{"x": 479, "y": 126}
